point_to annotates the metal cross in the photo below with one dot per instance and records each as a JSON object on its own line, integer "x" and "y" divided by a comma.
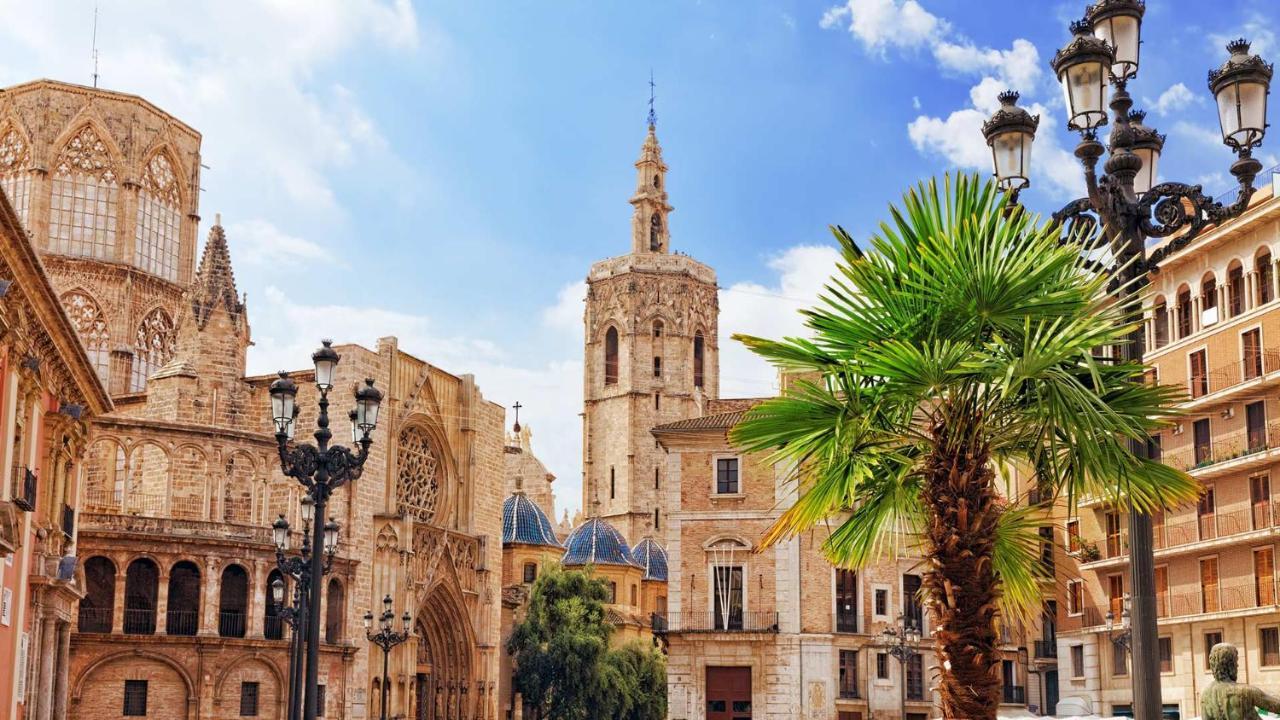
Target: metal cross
{"x": 653, "y": 117}
{"x": 517, "y": 407}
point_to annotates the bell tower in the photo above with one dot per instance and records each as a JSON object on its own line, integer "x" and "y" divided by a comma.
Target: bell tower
{"x": 651, "y": 355}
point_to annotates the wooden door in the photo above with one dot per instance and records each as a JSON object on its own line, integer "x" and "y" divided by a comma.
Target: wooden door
{"x": 1260, "y": 501}
{"x": 728, "y": 693}
{"x": 1264, "y": 576}
{"x": 1206, "y": 511}
{"x": 1209, "y": 585}
{"x": 1162, "y": 591}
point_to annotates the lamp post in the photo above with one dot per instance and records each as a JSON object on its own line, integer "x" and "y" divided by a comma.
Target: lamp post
{"x": 298, "y": 567}
{"x": 1126, "y": 206}
{"x": 904, "y": 643}
{"x": 386, "y": 638}
{"x": 1122, "y": 637}
{"x": 321, "y": 469}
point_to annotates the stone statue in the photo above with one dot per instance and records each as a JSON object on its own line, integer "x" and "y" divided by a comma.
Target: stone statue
{"x": 1224, "y": 699}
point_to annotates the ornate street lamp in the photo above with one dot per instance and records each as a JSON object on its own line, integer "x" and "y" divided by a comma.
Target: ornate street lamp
{"x": 321, "y": 469}
{"x": 299, "y": 568}
{"x": 904, "y": 643}
{"x": 1126, "y": 206}
{"x": 386, "y": 638}
{"x": 1122, "y": 637}
{"x": 1009, "y": 134}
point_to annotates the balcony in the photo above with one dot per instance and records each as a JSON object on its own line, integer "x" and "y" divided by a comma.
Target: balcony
{"x": 181, "y": 622}
{"x": 1217, "y": 384}
{"x": 94, "y": 620}
{"x": 1046, "y": 650}
{"x": 24, "y": 488}
{"x": 1227, "y": 453}
{"x": 231, "y": 623}
{"x": 273, "y": 628}
{"x": 140, "y": 621}
{"x": 707, "y": 622}
{"x": 1014, "y": 695}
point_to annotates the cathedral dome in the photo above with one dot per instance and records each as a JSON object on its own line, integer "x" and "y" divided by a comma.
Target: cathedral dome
{"x": 650, "y": 555}
{"x": 524, "y": 522}
{"x": 596, "y": 542}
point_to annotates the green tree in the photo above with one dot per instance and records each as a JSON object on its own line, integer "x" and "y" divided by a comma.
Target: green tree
{"x": 963, "y": 343}
{"x": 564, "y": 668}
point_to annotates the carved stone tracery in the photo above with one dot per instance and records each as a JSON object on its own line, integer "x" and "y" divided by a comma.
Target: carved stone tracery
{"x": 421, "y": 480}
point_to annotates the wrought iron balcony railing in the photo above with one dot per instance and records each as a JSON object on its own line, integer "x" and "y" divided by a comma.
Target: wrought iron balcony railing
{"x": 1046, "y": 649}
{"x": 708, "y": 622}
{"x": 140, "y": 621}
{"x": 94, "y": 620}
{"x": 24, "y": 488}
{"x": 273, "y": 627}
{"x": 231, "y": 623}
{"x": 181, "y": 622}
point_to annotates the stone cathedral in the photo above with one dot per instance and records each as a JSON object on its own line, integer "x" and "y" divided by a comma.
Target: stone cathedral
{"x": 651, "y": 357}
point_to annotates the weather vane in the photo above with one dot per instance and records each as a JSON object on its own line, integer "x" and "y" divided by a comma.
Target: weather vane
{"x": 653, "y": 116}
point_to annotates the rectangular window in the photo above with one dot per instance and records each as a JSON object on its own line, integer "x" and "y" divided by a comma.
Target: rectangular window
{"x": 727, "y": 597}
{"x": 657, "y": 367}
{"x": 1203, "y": 444}
{"x": 1161, "y": 322}
{"x": 1119, "y": 660}
{"x": 1235, "y": 289}
{"x": 1114, "y": 544}
{"x": 1199, "y": 374}
{"x": 1075, "y": 597}
{"x": 657, "y": 401}
{"x": 1255, "y": 424}
{"x": 1162, "y": 590}
{"x": 1266, "y": 279}
{"x": 613, "y": 484}
{"x": 1260, "y": 501}
{"x": 1269, "y": 645}
{"x": 530, "y": 572}
{"x": 882, "y": 666}
{"x": 1184, "y": 314}
{"x": 1077, "y": 661}
{"x": 1046, "y": 548}
{"x": 849, "y": 673}
{"x": 1209, "y": 599}
{"x": 613, "y": 592}
{"x": 1251, "y": 353}
{"x": 1166, "y": 654}
{"x": 912, "y": 609}
{"x": 882, "y": 602}
{"x": 1264, "y": 576}
{"x": 1210, "y": 639}
{"x": 1073, "y": 536}
{"x": 248, "y": 699}
{"x": 1115, "y": 593}
{"x": 1206, "y": 513}
{"x": 915, "y": 677}
{"x": 727, "y": 476}
{"x": 846, "y": 600}
{"x": 135, "y": 698}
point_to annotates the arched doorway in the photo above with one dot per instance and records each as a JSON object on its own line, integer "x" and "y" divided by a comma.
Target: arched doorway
{"x": 445, "y": 688}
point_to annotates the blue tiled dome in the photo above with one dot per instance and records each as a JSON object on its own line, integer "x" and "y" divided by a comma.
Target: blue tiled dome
{"x": 650, "y": 556}
{"x": 596, "y": 542}
{"x": 524, "y": 522}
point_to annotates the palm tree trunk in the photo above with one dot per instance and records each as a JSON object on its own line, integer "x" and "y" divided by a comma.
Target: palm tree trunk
{"x": 961, "y": 587}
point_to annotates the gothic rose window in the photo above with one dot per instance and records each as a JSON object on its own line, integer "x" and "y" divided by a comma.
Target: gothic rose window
{"x": 153, "y": 348}
{"x": 15, "y": 178}
{"x": 420, "y": 481}
{"x": 82, "y": 213}
{"x": 156, "y": 231}
{"x": 91, "y": 326}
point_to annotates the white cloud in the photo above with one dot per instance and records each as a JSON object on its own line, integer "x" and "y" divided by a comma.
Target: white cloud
{"x": 880, "y": 24}
{"x": 260, "y": 242}
{"x": 915, "y": 102}
{"x": 1208, "y": 137}
{"x": 1257, "y": 30}
{"x": 1177, "y": 97}
{"x": 566, "y": 314}
{"x": 770, "y": 311}
{"x": 1018, "y": 67}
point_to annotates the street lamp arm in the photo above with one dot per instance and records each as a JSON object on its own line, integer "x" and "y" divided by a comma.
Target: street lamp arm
{"x": 1163, "y": 211}
{"x": 298, "y": 460}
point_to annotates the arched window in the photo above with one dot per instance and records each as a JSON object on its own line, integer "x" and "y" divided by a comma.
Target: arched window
{"x": 15, "y": 177}
{"x": 334, "y": 609}
{"x": 1235, "y": 288}
{"x": 1209, "y": 300}
{"x": 1160, "y": 319}
{"x": 100, "y": 596}
{"x": 657, "y": 328}
{"x": 698, "y": 353}
{"x": 1184, "y": 312}
{"x": 272, "y": 622}
{"x": 153, "y": 347}
{"x": 657, "y": 181}
{"x": 82, "y": 211}
{"x": 141, "y": 586}
{"x": 655, "y": 232}
{"x": 91, "y": 326}
{"x": 159, "y": 217}
{"x": 182, "y": 616}
{"x": 233, "y": 601}
{"x": 611, "y": 356}
{"x": 420, "y": 490}
{"x": 1266, "y": 277}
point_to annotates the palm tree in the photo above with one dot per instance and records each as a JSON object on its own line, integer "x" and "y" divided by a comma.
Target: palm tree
{"x": 965, "y": 343}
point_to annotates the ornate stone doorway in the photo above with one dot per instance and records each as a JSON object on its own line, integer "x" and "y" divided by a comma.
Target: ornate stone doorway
{"x": 444, "y": 687}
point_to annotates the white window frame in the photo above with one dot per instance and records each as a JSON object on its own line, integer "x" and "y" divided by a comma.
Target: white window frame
{"x": 888, "y": 605}
{"x": 1079, "y": 608}
{"x": 715, "y": 471}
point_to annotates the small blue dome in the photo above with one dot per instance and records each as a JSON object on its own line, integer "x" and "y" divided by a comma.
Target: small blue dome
{"x": 524, "y": 522}
{"x": 650, "y": 555}
{"x": 596, "y": 542}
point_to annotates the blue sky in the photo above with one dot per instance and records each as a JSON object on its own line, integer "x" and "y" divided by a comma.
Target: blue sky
{"x": 447, "y": 172}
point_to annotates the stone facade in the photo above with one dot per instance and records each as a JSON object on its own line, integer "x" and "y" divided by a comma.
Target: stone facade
{"x": 651, "y": 355}
{"x": 49, "y": 394}
{"x": 182, "y": 480}
{"x": 1213, "y": 325}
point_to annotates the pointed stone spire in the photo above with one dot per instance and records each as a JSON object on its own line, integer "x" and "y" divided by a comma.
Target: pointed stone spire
{"x": 215, "y": 281}
{"x": 649, "y": 231}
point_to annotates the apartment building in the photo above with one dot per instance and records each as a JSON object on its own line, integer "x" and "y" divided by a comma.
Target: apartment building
{"x": 1213, "y": 329}
{"x": 780, "y": 632}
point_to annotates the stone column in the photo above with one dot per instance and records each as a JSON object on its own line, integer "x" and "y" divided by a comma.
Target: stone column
{"x": 48, "y": 653}
{"x": 257, "y": 601}
{"x": 162, "y": 602}
{"x": 64, "y": 671}
{"x": 117, "y": 607}
{"x": 209, "y": 605}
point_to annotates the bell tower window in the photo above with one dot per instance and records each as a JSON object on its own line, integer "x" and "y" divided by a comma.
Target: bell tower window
{"x": 698, "y": 352}
{"x": 611, "y": 357}
{"x": 655, "y": 232}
